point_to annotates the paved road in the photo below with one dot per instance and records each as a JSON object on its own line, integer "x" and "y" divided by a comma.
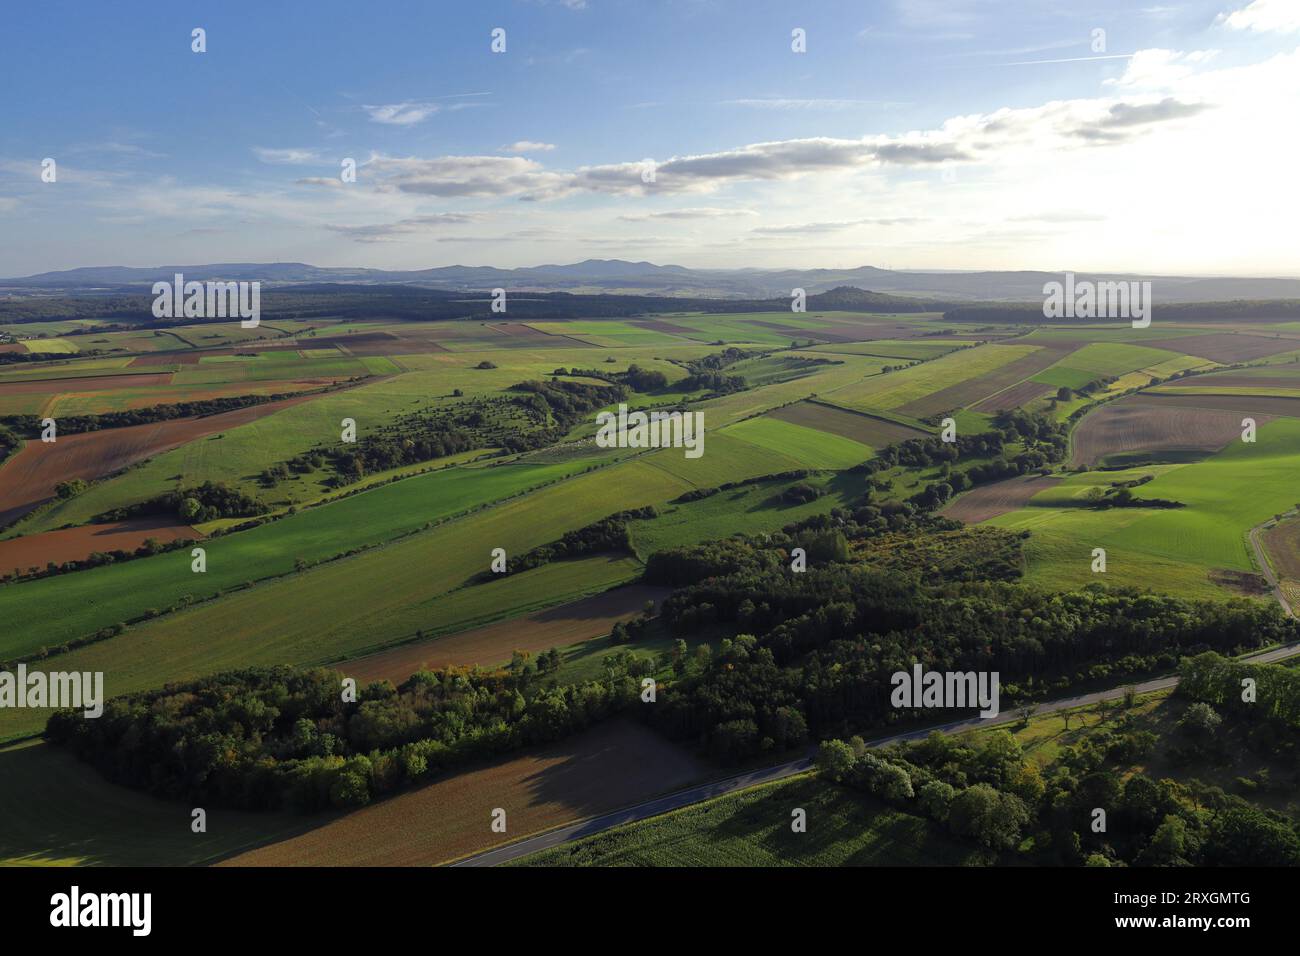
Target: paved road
{"x": 684, "y": 798}
{"x": 1262, "y": 560}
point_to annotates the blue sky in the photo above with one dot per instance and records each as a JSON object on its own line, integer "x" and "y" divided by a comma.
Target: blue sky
{"x": 910, "y": 134}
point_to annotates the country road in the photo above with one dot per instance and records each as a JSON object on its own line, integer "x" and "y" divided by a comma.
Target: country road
{"x": 752, "y": 778}
{"x": 1262, "y": 560}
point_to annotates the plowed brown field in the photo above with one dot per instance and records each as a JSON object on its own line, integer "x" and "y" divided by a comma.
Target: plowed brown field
{"x": 989, "y": 501}
{"x": 77, "y": 544}
{"x": 1172, "y": 423}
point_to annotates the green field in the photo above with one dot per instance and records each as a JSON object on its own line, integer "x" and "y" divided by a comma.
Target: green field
{"x": 1170, "y": 550}
{"x": 809, "y": 447}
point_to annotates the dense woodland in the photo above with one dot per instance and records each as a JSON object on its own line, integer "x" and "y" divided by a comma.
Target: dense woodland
{"x": 283, "y": 738}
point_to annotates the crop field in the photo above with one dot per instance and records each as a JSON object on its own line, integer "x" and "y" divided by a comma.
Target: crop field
{"x": 1167, "y": 549}
{"x": 19, "y": 555}
{"x": 30, "y": 477}
{"x": 989, "y": 501}
{"x": 754, "y": 509}
{"x": 910, "y": 388}
{"x": 1097, "y": 359}
{"x": 866, "y": 429}
{"x": 1155, "y": 429}
{"x": 1228, "y": 347}
{"x": 810, "y": 447}
{"x": 560, "y": 626}
{"x": 752, "y": 828}
{"x": 611, "y": 766}
{"x": 103, "y": 596}
{"x": 988, "y": 385}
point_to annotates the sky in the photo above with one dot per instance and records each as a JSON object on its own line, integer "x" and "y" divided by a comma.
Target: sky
{"x": 904, "y": 134}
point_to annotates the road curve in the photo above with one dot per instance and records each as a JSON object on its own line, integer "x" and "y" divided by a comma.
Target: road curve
{"x": 753, "y": 778}
{"x": 1262, "y": 560}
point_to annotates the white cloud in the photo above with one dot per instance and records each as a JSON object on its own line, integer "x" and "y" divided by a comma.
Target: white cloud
{"x": 402, "y": 114}
{"x": 287, "y": 157}
{"x": 1264, "y": 16}
{"x": 691, "y": 212}
{"x": 528, "y": 146}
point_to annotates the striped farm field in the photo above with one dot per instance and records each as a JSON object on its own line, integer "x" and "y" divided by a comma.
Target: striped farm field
{"x": 103, "y": 596}
{"x": 867, "y": 429}
{"x": 812, "y": 448}
{"x": 917, "y": 385}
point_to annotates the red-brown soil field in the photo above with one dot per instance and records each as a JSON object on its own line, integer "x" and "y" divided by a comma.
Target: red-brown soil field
{"x": 29, "y": 477}
{"x": 494, "y": 643}
{"x": 989, "y": 501}
{"x": 76, "y": 544}
{"x": 614, "y": 765}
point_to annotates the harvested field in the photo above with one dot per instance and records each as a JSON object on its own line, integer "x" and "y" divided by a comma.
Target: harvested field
{"x": 1228, "y": 347}
{"x": 77, "y": 544}
{"x": 614, "y": 765}
{"x": 998, "y": 498}
{"x": 28, "y": 478}
{"x": 1017, "y": 396}
{"x": 1238, "y": 379}
{"x": 985, "y": 386}
{"x": 493, "y": 644}
{"x": 1261, "y": 407}
{"x": 866, "y": 429}
{"x": 88, "y": 383}
{"x": 1149, "y": 423}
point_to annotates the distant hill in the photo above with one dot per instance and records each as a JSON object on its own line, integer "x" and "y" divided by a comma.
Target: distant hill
{"x": 619, "y": 277}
